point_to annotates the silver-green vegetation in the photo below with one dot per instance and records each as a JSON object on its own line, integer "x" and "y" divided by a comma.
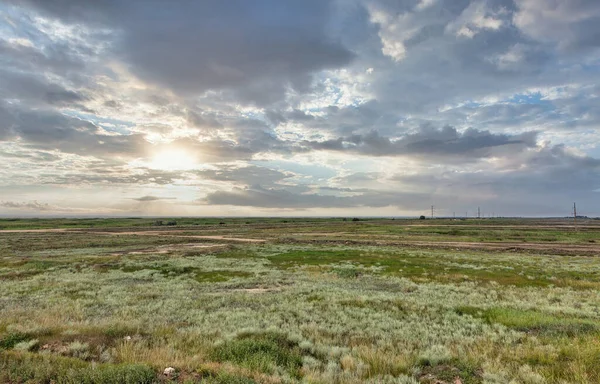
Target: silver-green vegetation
{"x": 100, "y": 307}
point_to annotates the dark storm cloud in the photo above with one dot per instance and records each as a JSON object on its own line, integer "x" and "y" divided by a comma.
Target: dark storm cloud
{"x": 428, "y": 141}
{"x": 507, "y": 115}
{"x": 6, "y": 124}
{"x": 342, "y": 121}
{"x": 258, "y": 196}
{"x": 534, "y": 182}
{"x": 573, "y": 24}
{"x": 206, "y": 121}
{"x": 244, "y": 175}
{"x": 48, "y": 129}
{"x": 34, "y": 89}
{"x": 256, "y": 48}
{"x": 144, "y": 199}
{"x": 53, "y": 57}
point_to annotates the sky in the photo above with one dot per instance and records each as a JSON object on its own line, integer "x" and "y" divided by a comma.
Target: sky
{"x": 299, "y": 107}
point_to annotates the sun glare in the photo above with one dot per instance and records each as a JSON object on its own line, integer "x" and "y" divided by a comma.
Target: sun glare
{"x": 172, "y": 160}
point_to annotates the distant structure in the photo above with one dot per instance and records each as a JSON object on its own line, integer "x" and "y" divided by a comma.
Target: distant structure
{"x": 478, "y": 213}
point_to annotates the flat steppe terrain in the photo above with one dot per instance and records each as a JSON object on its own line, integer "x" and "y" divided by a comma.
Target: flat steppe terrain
{"x": 273, "y": 300}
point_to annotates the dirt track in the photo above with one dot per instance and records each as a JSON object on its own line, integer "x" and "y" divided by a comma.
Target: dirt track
{"x": 168, "y": 234}
{"x": 592, "y": 249}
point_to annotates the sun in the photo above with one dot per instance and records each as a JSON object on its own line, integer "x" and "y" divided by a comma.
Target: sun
{"x": 173, "y": 160}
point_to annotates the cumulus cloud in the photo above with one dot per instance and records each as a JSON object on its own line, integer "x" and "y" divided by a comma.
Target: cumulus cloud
{"x": 474, "y": 18}
{"x": 256, "y": 49}
{"x": 430, "y": 142}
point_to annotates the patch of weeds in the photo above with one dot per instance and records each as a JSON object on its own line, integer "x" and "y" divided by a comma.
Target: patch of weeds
{"x": 467, "y": 372}
{"x": 313, "y": 257}
{"x": 79, "y": 350}
{"x": 30, "y": 345}
{"x": 348, "y": 272}
{"x": 219, "y": 276}
{"x": 134, "y": 268}
{"x": 379, "y": 305}
{"x": 19, "y": 367}
{"x": 262, "y": 352}
{"x": 434, "y": 356}
{"x": 120, "y": 331}
{"x": 13, "y": 275}
{"x": 233, "y": 253}
{"x": 225, "y": 378}
{"x": 9, "y": 341}
{"x": 535, "y": 322}
{"x": 171, "y": 271}
{"x": 314, "y": 298}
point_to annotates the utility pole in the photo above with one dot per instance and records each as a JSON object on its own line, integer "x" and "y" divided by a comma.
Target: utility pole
{"x": 574, "y": 214}
{"x": 478, "y": 213}
{"x": 432, "y": 211}
{"x": 454, "y": 214}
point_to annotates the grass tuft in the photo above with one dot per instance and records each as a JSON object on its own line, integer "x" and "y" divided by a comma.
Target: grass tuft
{"x": 19, "y": 367}
{"x": 261, "y": 352}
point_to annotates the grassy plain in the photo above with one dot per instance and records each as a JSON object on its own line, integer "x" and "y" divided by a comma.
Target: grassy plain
{"x": 299, "y": 300}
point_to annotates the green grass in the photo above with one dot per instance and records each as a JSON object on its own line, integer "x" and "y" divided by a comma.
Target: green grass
{"x": 433, "y": 265}
{"x": 219, "y": 276}
{"x": 228, "y": 379}
{"x": 9, "y": 340}
{"x": 261, "y": 352}
{"x": 359, "y": 304}
{"x": 35, "y": 368}
{"x": 534, "y": 322}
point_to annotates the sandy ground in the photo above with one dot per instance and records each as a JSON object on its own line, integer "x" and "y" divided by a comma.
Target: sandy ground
{"x": 170, "y": 234}
{"x": 164, "y": 249}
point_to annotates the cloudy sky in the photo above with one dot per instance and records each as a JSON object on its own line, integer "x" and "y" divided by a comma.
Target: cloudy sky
{"x": 299, "y": 107}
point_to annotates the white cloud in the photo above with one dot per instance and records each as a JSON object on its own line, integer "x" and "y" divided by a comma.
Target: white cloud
{"x": 476, "y": 17}
{"x": 394, "y": 30}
